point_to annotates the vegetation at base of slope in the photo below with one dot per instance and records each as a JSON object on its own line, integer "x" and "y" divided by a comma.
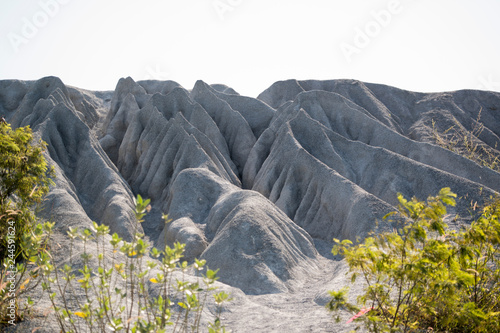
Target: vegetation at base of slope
{"x": 425, "y": 276}
{"x": 118, "y": 293}
{"x": 24, "y": 180}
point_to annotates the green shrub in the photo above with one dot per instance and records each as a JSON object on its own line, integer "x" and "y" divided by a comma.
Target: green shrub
{"x": 425, "y": 276}
{"x": 116, "y": 294}
{"x": 19, "y": 277}
{"x": 24, "y": 180}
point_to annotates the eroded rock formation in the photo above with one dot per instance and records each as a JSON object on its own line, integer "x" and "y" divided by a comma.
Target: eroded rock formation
{"x": 256, "y": 186}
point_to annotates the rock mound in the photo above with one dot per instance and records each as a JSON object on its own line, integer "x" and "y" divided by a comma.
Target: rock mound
{"x": 254, "y": 244}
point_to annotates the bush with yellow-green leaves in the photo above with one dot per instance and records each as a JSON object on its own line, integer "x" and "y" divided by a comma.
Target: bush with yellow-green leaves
{"x": 425, "y": 276}
{"x": 24, "y": 180}
{"x": 117, "y": 294}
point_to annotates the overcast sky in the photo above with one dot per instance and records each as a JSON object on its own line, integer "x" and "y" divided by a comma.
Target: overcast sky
{"x": 420, "y": 45}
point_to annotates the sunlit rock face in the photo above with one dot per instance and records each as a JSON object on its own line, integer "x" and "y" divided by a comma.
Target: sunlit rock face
{"x": 256, "y": 186}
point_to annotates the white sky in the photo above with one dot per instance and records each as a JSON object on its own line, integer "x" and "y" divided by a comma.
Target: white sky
{"x": 420, "y": 45}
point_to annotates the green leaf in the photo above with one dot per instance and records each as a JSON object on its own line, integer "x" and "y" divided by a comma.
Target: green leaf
{"x": 386, "y": 216}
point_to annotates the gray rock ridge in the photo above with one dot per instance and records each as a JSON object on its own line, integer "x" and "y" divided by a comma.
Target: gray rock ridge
{"x": 255, "y": 245}
{"x": 363, "y": 148}
{"x": 233, "y": 126}
{"x": 12, "y": 93}
{"x": 317, "y": 197}
{"x": 170, "y": 133}
{"x": 354, "y": 123}
{"x": 180, "y": 147}
{"x": 257, "y": 114}
{"x": 92, "y": 105}
{"x": 124, "y": 87}
{"x": 86, "y": 178}
{"x": 222, "y": 88}
{"x": 18, "y": 98}
{"x": 162, "y": 87}
{"x": 399, "y": 109}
